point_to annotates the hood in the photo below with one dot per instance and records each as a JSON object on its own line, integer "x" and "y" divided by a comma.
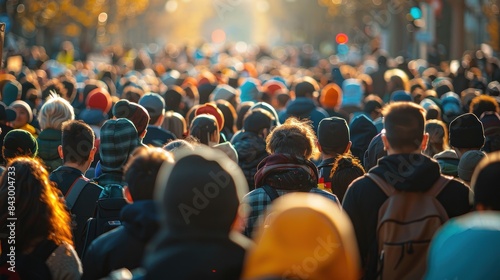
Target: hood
{"x": 362, "y": 131}
{"x": 302, "y": 224}
{"x": 228, "y": 149}
{"x": 374, "y": 152}
{"x": 250, "y": 148}
{"x": 118, "y": 139}
{"x": 408, "y": 172}
{"x": 300, "y": 107}
{"x": 92, "y": 116}
{"x": 48, "y": 141}
{"x": 141, "y": 219}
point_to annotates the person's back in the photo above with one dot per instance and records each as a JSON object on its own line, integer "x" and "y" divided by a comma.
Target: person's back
{"x": 406, "y": 170}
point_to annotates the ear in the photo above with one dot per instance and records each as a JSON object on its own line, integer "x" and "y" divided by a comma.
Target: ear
{"x": 425, "y": 141}
{"x": 127, "y": 195}
{"x": 348, "y": 147}
{"x": 319, "y": 146}
{"x": 387, "y": 146}
{"x": 60, "y": 151}
{"x": 143, "y": 134}
{"x": 92, "y": 154}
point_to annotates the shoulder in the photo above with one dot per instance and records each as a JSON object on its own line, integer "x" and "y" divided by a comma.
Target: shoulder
{"x": 64, "y": 263}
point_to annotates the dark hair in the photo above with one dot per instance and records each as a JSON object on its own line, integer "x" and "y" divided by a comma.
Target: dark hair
{"x": 483, "y": 103}
{"x": 486, "y": 191}
{"x": 202, "y": 127}
{"x": 141, "y": 170}
{"x": 438, "y": 137}
{"x": 77, "y": 141}
{"x": 283, "y": 98}
{"x": 41, "y": 214}
{"x": 242, "y": 111}
{"x": 229, "y": 113}
{"x": 295, "y": 137}
{"x": 173, "y": 97}
{"x": 346, "y": 169}
{"x": 404, "y": 124}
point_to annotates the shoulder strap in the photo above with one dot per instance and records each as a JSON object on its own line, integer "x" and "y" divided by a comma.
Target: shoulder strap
{"x": 439, "y": 185}
{"x": 74, "y": 192}
{"x": 271, "y": 192}
{"x": 383, "y": 185}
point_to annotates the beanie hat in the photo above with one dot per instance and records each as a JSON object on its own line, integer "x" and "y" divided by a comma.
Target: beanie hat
{"x": 25, "y": 106}
{"x": 223, "y": 92}
{"x": 118, "y": 139}
{"x": 272, "y": 87}
{"x": 249, "y": 90}
{"x": 331, "y": 96}
{"x": 468, "y": 163}
{"x": 99, "y": 99}
{"x": 333, "y": 133}
{"x": 134, "y": 112}
{"x": 303, "y": 88}
{"x": 269, "y": 108}
{"x": 491, "y": 123}
{"x": 11, "y": 92}
{"x": 7, "y": 114}
{"x": 170, "y": 78}
{"x": 401, "y": 96}
{"x": 451, "y": 104}
{"x": 153, "y": 103}
{"x": 257, "y": 119}
{"x": 466, "y": 131}
{"x": 18, "y": 142}
{"x": 352, "y": 93}
{"x": 211, "y": 109}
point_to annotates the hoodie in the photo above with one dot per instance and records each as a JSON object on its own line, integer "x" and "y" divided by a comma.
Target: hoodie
{"x": 406, "y": 172}
{"x": 251, "y": 151}
{"x": 362, "y": 131}
{"x": 303, "y": 107}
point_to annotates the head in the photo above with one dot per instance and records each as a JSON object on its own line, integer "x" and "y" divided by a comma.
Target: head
{"x": 468, "y": 163}
{"x": 211, "y": 109}
{"x": 40, "y": 212}
{"x": 346, "y": 169}
{"x": 228, "y": 112}
{"x": 204, "y": 128}
{"x": 483, "y": 103}
{"x": 54, "y": 112}
{"x": 294, "y": 137}
{"x": 305, "y": 88}
{"x": 141, "y": 170}
{"x": 438, "y": 137}
{"x": 135, "y": 113}
{"x": 18, "y": 142}
{"x": 258, "y": 121}
{"x": 155, "y": 105}
{"x": 175, "y": 123}
{"x": 331, "y": 96}
{"x": 77, "y": 145}
{"x": 466, "y": 133}
{"x": 333, "y": 136}
{"x": 487, "y": 193}
{"x": 118, "y": 140}
{"x": 173, "y": 98}
{"x": 404, "y": 124}
{"x": 242, "y": 111}
{"x": 24, "y": 115}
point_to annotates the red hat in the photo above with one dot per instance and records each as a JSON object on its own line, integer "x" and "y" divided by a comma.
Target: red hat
{"x": 211, "y": 109}
{"x": 273, "y": 86}
{"x": 100, "y": 99}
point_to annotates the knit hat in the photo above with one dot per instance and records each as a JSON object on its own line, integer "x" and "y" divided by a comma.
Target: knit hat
{"x": 468, "y": 163}
{"x": 223, "y": 92}
{"x": 466, "y": 131}
{"x": 269, "y": 108}
{"x": 7, "y": 114}
{"x": 352, "y": 93}
{"x": 249, "y": 90}
{"x": 25, "y": 106}
{"x": 118, "y": 140}
{"x": 18, "y": 142}
{"x": 170, "y": 78}
{"x": 451, "y": 104}
{"x": 333, "y": 133}
{"x": 491, "y": 123}
{"x": 211, "y": 109}
{"x": 331, "y": 96}
{"x": 272, "y": 87}
{"x": 11, "y": 92}
{"x": 257, "y": 119}
{"x": 401, "y": 96}
{"x": 153, "y": 103}
{"x": 99, "y": 99}
{"x": 134, "y": 112}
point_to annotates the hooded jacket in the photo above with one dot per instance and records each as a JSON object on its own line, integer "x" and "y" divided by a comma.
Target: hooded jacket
{"x": 303, "y": 107}
{"x": 362, "y": 131}
{"x": 124, "y": 246}
{"x": 251, "y": 151}
{"x": 406, "y": 172}
{"x": 48, "y": 141}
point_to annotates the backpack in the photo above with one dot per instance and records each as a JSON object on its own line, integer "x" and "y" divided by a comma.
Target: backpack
{"x": 31, "y": 266}
{"x": 406, "y": 224}
{"x": 106, "y": 217}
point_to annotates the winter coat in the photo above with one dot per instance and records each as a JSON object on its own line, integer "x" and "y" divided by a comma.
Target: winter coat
{"x": 48, "y": 141}
{"x": 251, "y": 151}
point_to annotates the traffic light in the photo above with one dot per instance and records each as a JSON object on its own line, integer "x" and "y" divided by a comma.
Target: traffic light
{"x": 342, "y": 40}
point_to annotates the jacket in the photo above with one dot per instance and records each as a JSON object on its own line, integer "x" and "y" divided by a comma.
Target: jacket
{"x": 48, "y": 141}
{"x": 406, "y": 172}
{"x": 303, "y": 107}
{"x": 251, "y": 151}
{"x": 157, "y": 136}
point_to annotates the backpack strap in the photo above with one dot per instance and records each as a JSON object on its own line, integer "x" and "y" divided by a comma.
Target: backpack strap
{"x": 271, "y": 192}
{"x": 74, "y": 192}
{"x": 44, "y": 250}
{"x": 383, "y": 185}
{"x": 439, "y": 185}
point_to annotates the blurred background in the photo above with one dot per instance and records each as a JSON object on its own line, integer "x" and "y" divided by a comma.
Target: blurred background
{"x": 429, "y": 29}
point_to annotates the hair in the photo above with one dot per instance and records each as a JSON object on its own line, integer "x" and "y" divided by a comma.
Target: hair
{"x": 203, "y": 127}
{"x": 483, "y": 103}
{"x": 294, "y": 137}
{"x": 486, "y": 192}
{"x": 40, "y": 212}
{"x": 191, "y": 114}
{"x": 229, "y": 113}
{"x": 173, "y": 97}
{"x": 438, "y": 137}
{"x": 283, "y": 99}
{"x": 54, "y": 112}
{"x": 346, "y": 169}
{"x": 242, "y": 111}
{"x": 175, "y": 123}
{"x": 53, "y": 86}
{"x": 77, "y": 141}
{"x": 404, "y": 124}
{"x": 141, "y": 170}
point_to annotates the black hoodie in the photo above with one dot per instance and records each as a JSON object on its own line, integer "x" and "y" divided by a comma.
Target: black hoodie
{"x": 406, "y": 172}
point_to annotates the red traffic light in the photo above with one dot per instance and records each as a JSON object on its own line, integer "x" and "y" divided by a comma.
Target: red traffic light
{"x": 341, "y": 38}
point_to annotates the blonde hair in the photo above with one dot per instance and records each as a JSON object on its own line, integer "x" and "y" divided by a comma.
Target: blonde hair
{"x": 54, "y": 112}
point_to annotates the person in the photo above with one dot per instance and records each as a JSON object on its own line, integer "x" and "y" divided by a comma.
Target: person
{"x": 486, "y": 193}
{"x": 287, "y": 169}
{"x": 199, "y": 236}
{"x": 51, "y": 117}
{"x": 135, "y": 113}
{"x": 438, "y": 137}
{"x": 42, "y": 222}
{"x": 286, "y": 249}
{"x": 362, "y": 130}
{"x": 331, "y": 99}
{"x": 6, "y": 115}
{"x": 24, "y": 116}
{"x": 124, "y": 246}
{"x": 468, "y": 163}
{"x": 303, "y": 105}
{"x": 155, "y": 105}
{"x": 77, "y": 151}
{"x": 17, "y": 143}
{"x": 333, "y": 140}
{"x": 346, "y": 168}
{"x": 404, "y": 168}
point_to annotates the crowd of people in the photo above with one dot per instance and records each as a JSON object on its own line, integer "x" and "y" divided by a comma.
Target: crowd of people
{"x": 250, "y": 166}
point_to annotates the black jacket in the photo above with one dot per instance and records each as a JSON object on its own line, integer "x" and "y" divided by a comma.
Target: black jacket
{"x": 251, "y": 151}
{"x": 124, "y": 246}
{"x": 405, "y": 172}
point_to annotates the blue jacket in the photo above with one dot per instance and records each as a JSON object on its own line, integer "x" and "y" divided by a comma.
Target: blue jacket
{"x": 303, "y": 107}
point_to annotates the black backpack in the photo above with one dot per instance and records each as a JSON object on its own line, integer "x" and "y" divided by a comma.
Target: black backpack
{"x": 31, "y": 266}
{"x": 106, "y": 217}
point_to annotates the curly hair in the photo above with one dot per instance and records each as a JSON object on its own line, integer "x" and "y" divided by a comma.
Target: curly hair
{"x": 39, "y": 209}
{"x": 295, "y": 137}
{"x": 483, "y": 103}
{"x": 346, "y": 169}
